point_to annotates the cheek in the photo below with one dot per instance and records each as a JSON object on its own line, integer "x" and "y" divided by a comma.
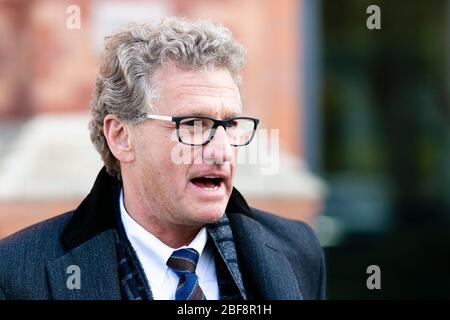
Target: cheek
{"x": 153, "y": 153}
{"x": 172, "y": 172}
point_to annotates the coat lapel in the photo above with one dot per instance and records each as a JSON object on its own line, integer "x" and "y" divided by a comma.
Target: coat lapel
{"x": 97, "y": 262}
{"x": 266, "y": 269}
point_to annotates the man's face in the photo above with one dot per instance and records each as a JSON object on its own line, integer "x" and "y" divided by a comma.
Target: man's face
{"x": 179, "y": 193}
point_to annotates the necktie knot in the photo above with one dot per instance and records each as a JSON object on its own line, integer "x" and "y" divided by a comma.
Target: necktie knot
{"x": 183, "y": 261}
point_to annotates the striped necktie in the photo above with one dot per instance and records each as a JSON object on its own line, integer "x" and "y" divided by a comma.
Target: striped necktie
{"x": 183, "y": 262}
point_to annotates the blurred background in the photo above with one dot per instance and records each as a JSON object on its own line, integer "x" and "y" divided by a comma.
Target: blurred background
{"x": 363, "y": 118}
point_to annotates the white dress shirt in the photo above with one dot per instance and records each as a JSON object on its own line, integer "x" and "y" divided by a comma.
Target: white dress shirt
{"x": 153, "y": 255}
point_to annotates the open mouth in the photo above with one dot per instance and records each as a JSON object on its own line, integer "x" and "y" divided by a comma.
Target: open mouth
{"x": 210, "y": 183}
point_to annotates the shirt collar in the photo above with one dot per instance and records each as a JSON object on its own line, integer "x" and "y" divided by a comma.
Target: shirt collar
{"x": 153, "y": 253}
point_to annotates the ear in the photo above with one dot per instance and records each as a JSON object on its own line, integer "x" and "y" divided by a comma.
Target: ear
{"x": 119, "y": 139}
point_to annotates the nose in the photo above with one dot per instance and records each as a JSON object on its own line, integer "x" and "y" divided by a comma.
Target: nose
{"x": 218, "y": 150}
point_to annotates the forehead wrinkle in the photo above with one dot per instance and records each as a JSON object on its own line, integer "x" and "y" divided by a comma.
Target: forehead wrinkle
{"x": 187, "y": 95}
{"x": 228, "y": 104}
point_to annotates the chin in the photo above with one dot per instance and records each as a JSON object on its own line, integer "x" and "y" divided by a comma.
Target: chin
{"x": 210, "y": 214}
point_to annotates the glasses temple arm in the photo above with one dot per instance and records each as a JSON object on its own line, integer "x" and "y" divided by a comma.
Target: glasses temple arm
{"x": 159, "y": 117}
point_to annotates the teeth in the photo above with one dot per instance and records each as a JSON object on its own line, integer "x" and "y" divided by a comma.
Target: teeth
{"x": 211, "y": 177}
{"x": 213, "y": 188}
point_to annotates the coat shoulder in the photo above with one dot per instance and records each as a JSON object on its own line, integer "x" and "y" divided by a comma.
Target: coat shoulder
{"x": 45, "y": 232}
{"x": 290, "y": 233}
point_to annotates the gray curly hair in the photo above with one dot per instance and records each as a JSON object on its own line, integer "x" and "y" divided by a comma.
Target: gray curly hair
{"x": 131, "y": 57}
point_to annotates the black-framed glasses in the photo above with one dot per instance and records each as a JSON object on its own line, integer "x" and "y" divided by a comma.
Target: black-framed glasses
{"x": 199, "y": 131}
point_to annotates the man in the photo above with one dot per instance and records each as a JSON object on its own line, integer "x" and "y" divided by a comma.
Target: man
{"x": 163, "y": 220}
